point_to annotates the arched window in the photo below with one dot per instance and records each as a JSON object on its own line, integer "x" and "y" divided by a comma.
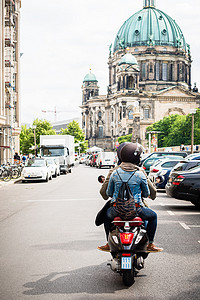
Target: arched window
{"x": 131, "y": 83}
{"x": 143, "y": 71}
{"x": 130, "y": 114}
{"x": 100, "y": 131}
{"x": 99, "y": 114}
{"x": 150, "y": 68}
{"x": 157, "y": 71}
{"x": 164, "y": 71}
{"x": 120, "y": 113}
{"x": 146, "y": 113}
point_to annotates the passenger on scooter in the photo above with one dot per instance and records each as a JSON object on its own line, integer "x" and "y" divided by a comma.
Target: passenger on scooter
{"x": 130, "y": 156}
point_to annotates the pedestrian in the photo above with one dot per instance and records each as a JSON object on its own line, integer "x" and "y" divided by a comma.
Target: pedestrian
{"x": 16, "y": 158}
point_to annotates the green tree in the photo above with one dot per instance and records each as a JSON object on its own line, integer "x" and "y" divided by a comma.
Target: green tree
{"x": 124, "y": 138}
{"x": 26, "y": 140}
{"x": 43, "y": 127}
{"x": 27, "y": 135}
{"x": 74, "y": 129}
{"x": 176, "y": 130}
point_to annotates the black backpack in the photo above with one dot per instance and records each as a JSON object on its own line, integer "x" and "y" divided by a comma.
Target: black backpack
{"x": 125, "y": 203}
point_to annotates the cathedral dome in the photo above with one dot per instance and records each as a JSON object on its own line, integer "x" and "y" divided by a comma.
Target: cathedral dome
{"x": 149, "y": 26}
{"x": 128, "y": 59}
{"x": 90, "y": 77}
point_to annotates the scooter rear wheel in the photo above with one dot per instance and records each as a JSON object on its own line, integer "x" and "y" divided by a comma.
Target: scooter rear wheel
{"x": 128, "y": 277}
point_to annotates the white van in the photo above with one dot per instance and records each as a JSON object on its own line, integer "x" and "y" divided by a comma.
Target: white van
{"x": 105, "y": 159}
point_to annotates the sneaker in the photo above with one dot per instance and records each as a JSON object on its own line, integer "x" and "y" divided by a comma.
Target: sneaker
{"x": 152, "y": 248}
{"x": 104, "y": 248}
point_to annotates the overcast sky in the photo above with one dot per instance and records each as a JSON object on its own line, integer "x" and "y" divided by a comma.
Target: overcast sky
{"x": 61, "y": 40}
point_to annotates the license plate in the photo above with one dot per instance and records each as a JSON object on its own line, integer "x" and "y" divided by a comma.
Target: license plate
{"x": 126, "y": 263}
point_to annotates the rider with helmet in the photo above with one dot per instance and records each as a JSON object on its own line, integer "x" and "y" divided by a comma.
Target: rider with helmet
{"x": 130, "y": 157}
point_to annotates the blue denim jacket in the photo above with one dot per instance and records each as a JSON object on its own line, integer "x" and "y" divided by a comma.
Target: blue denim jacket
{"x": 137, "y": 183}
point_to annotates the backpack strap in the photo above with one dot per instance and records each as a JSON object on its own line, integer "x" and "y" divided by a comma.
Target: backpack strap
{"x": 128, "y": 179}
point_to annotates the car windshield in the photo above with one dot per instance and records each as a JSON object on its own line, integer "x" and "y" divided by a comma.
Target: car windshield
{"x": 183, "y": 154}
{"x": 194, "y": 156}
{"x": 52, "y": 152}
{"x": 180, "y": 166}
{"x": 35, "y": 163}
{"x": 169, "y": 164}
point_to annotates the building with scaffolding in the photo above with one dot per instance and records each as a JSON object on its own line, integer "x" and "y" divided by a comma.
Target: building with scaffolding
{"x": 9, "y": 79}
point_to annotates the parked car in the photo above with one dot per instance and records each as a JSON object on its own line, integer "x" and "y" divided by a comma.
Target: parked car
{"x": 152, "y": 160}
{"x": 162, "y": 168}
{"x": 185, "y": 165}
{"x": 185, "y": 185}
{"x": 36, "y": 169}
{"x": 82, "y": 159}
{"x": 194, "y": 156}
{"x": 55, "y": 169}
{"x": 163, "y": 153}
{"x": 105, "y": 159}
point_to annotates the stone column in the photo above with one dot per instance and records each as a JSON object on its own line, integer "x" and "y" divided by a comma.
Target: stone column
{"x": 136, "y": 135}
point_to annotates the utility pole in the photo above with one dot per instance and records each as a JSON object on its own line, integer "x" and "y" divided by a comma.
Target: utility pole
{"x": 192, "y": 111}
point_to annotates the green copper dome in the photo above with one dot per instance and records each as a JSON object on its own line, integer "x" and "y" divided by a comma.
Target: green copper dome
{"x": 149, "y": 26}
{"x": 90, "y": 77}
{"x": 128, "y": 59}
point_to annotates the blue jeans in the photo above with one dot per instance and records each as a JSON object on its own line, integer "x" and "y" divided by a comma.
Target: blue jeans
{"x": 143, "y": 212}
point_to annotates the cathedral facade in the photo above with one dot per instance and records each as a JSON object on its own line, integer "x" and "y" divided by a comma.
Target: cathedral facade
{"x": 149, "y": 79}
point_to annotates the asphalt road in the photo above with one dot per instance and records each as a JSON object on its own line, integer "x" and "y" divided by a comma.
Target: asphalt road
{"x": 48, "y": 247}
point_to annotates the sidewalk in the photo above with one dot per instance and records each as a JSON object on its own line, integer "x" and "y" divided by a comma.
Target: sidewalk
{"x": 12, "y": 181}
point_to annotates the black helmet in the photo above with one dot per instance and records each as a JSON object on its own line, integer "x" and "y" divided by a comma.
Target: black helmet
{"x": 119, "y": 150}
{"x": 131, "y": 153}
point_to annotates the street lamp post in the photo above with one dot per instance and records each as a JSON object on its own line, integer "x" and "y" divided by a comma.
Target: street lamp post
{"x": 192, "y": 111}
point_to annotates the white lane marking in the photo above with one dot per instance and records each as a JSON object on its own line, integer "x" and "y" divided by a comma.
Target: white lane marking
{"x": 170, "y": 213}
{"x": 194, "y": 226}
{"x": 174, "y": 204}
{"x": 61, "y": 200}
{"x": 199, "y": 242}
{"x": 184, "y": 225}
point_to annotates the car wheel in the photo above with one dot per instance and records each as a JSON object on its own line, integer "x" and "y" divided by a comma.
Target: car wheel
{"x": 50, "y": 178}
{"x": 47, "y": 178}
{"x": 55, "y": 175}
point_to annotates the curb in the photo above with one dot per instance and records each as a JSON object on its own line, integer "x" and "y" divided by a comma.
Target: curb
{"x": 12, "y": 181}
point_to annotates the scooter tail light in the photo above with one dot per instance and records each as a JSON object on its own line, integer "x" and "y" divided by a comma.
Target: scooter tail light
{"x": 126, "y": 254}
{"x": 126, "y": 238}
{"x": 154, "y": 170}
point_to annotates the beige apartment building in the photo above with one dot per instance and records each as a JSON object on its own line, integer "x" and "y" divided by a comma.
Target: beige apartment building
{"x": 9, "y": 79}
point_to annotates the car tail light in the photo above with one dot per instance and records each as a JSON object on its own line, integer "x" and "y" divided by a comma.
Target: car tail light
{"x": 126, "y": 238}
{"x": 155, "y": 170}
{"x": 178, "y": 180}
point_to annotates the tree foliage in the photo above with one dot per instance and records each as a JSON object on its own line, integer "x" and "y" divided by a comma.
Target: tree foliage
{"x": 74, "y": 129}
{"x": 176, "y": 130}
{"x": 27, "y": 135}
{"x": 125, "y": 138}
